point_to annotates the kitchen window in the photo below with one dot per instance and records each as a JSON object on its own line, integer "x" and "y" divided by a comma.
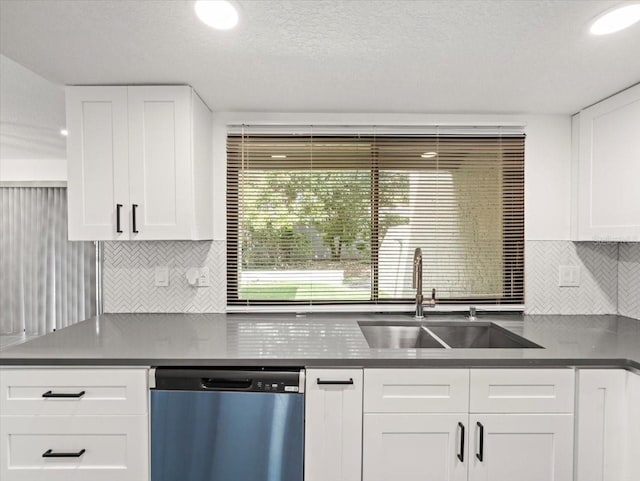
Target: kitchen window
{"x": 333, "y": 217}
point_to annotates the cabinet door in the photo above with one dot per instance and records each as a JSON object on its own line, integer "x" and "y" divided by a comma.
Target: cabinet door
{"x": 609, "y": 166}
{"x": 333, "y": 425}
{"x": 415, "y": 447}
{"x": 600, "y": 425}
{"x": 97, "y": 162}
{"x": 160, "y": 166}
{"x": 521, "y": 447}
{"x": 632, "y": 454}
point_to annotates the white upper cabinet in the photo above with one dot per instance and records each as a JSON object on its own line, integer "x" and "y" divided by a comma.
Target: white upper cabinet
{"x": 98, "y": 166}
{"x": 606, "y": 169}
{"x": 139, "y": 161}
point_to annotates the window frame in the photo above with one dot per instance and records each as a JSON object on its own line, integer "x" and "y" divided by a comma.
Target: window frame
{"x": 511, "y": 264}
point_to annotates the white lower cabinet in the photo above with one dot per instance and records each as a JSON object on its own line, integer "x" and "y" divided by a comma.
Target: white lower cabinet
{"x": 51, "y": 448}
{"x": 632, "y": 423}
{"x": 608, "y": 425}
{"x": 415, "y": 447}
{"x": 499, "y": 425}
{"x": 333, "y": 425}
{"x": 74, "y": 424}
{"x": 600, "y": 425}
{"x": 521, "y": 447}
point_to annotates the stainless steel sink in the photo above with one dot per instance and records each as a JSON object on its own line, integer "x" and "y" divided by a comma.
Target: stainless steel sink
{"x": 441, "y": 335}
{"x": 398, "y": 336}
{"x": 480, "y": 335}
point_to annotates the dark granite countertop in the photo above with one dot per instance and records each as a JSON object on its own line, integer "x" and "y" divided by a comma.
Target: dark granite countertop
{"x": 319, "y": 340}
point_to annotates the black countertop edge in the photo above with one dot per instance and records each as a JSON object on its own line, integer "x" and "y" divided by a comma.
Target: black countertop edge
{"x": 603, "y": 363}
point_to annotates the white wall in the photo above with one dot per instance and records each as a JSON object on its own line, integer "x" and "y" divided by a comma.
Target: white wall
{"x": 547, "y": 158}
{"x": 32, "y": 113}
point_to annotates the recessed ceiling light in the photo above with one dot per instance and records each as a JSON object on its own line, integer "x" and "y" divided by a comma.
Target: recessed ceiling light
{"x": 616, "y": 19}
{"x": 64, "y": 132}
{"x": 219, "y": 14}
{"x": 429, "y": 155}
{"x": 278, "y": 156}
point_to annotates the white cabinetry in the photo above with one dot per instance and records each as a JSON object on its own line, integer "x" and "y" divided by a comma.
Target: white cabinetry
{"x": 333, "y": 428}
{"x": 139, "y": 162}
{"x": 600, "y": 425}
{"x": 521, "y": 447}
{"x": 522, "y": 422}
{"x": 608, "y": 425}
{"x": 415, "y": 424}
{"x": 632, "y": 424}
{"x": 74, "y": 424}
{"x": 606, "y": 169}
{"x": 458, "y": 424}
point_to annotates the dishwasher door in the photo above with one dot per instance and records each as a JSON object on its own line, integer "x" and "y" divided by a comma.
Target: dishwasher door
{"x": 226, "y": 431}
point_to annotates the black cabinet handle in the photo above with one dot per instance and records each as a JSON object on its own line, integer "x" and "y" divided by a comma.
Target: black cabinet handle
{"x": 50, "y": 454}
{"x": 63, "y": 394}
{"x": 133, "y": 214}
{"x": 118, "y": 228}
{"x": 480, "y": 453}
{"x": 461, "y": 451}
{"x": 322, "y": 381}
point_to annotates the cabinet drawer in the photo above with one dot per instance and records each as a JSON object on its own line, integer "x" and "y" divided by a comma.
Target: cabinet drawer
{"x": 416, "y": 390}
{"x": 106, "y": 391}
{"x": 115, "y": 447}
{"x": 522, "y": 390}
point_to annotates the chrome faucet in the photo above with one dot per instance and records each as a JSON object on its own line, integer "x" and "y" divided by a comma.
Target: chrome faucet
{"x": 417, "y": 285}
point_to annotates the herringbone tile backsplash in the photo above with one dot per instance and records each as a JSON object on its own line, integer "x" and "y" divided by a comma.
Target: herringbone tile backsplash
{"x": 629, "y": 280}
{"x": 598, "y": 290}
{"x": 129, "y": 270}
{"x": 609, "y": 283}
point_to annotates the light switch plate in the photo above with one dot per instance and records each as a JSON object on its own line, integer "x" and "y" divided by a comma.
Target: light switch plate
{"x": 161, "y": 276}
{"x": 569, "y": 276}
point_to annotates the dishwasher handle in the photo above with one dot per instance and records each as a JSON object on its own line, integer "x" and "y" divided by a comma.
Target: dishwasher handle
{"x": 290, "y": 381}
{"x": 226, "y": 383}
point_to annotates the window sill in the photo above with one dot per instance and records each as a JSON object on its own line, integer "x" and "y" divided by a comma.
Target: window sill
{"x": 372, "y": 308}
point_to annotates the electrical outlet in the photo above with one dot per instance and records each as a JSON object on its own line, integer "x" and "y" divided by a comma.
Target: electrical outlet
{"x": 569, "y": 276}
{"x": 203, "y": 278}
{"x": 161, "y": 276}
{"x": 198, "y": 276}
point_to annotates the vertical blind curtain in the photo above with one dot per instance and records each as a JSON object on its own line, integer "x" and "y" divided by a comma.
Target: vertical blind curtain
{"x": 329, "y": 218}
{"x": 46, "y": 281}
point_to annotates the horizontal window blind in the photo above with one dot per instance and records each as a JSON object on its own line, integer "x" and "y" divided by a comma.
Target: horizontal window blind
{"x": 330, "y": 218}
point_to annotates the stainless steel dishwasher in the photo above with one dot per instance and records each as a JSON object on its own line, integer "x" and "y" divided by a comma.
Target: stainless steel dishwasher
{"x": 227, "y": 425}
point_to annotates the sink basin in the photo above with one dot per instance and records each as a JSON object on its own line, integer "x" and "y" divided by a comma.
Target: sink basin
{"x": 441, "y": 335}
{"x": 398, "y": 336}
{"x": 481, "y": 335}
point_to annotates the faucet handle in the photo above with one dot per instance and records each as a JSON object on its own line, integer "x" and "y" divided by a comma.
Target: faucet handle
{"x": 431, "y": 302}
{"x": 472, "y": 313}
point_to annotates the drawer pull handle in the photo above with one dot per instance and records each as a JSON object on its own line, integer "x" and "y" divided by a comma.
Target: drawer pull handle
{"x": 461, "y": 451}
{"x": 344, "y": 381}
{"x": 133, "y": 213}
{"x": 480, "y": 453}
{"x": 118, "y": 228}
{"x": 64, "y": 394}
{"x": 50, "y": 454}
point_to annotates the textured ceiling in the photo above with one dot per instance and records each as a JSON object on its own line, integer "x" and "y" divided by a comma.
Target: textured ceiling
{"x": 515, "y": 56}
